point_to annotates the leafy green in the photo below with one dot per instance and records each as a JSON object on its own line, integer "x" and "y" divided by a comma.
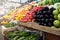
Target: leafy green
{"x": 9, "y": 25}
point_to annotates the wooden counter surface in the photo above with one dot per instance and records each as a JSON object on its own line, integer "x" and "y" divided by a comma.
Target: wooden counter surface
{"x": 42, "y": 28}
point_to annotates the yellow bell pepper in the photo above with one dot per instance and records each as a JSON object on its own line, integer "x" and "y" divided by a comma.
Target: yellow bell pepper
{"x": 17, "y": 18}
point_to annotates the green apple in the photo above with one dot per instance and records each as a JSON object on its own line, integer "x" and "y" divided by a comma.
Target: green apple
{"x": 55, "y": 16}
{"x": 55, "y": 12}
{"x": 59, "y": 10}
{"x": 40, "y": 3}
{"x": 57, "y": 23}
{"x": 58, "y": 7}
{"x": 43, "y": 3}
{"x": 46, "y": 1}
{"x": 50, "y": 2}
{"x": 59, "y": 17}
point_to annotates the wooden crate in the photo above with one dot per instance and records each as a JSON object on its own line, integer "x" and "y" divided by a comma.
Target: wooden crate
{"x": 52, "y": 37}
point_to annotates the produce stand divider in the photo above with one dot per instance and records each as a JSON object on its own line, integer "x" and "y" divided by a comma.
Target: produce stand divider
{"x": 20, "y": 28}
{"x": 10, "y": 29}
{"x": 42, "y": 28}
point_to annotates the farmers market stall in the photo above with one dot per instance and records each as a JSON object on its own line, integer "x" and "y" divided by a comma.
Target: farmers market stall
{"x": 35, "y": 20}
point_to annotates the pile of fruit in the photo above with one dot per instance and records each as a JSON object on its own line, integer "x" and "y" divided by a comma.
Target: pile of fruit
{"x": 18, "y": 13}
{"x": 44, "y": 16}
{"x": 29, "y": 14}
{"x": 45, "y": 2}
{"x": 21, "y": 13}
{"x": 56, "y": 1}
{"x": 9, "y": 15}
{"x": 57, "y": 17}
{"x": 22, "y": 35}
{"x": 48, "y": 2}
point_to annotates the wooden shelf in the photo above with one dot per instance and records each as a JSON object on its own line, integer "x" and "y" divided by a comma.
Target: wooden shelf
{"x": 42, "y": 28}
{"x": 36, "y": 26}
{"x": 10, "y": 29}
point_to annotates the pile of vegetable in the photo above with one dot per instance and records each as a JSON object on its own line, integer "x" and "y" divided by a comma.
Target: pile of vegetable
{"x": 10, "y": 24}
{"x": 44, "y": 16}
{"x": 22, "y": 35}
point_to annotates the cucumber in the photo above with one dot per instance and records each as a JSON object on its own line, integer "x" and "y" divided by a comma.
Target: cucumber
{"x": 22, "y": 35}
{"x": 15, "y": 38}
{"x": 21, "y": 38}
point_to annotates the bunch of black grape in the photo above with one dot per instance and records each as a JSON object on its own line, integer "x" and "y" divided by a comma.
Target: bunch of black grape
{"x": 45, "y": 16}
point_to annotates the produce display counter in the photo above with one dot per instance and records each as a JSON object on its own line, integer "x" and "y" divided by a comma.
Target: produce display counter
{"x": 50, "y": 33}
{"x": 36, "y": 26}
